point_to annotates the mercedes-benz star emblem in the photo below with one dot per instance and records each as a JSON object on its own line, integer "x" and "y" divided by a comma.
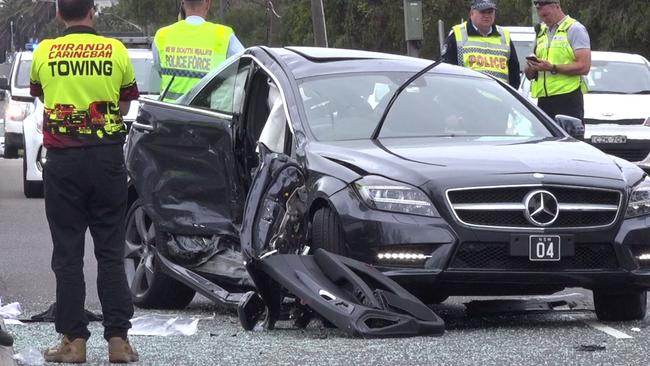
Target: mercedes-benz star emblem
{"x": 541, "y": 208}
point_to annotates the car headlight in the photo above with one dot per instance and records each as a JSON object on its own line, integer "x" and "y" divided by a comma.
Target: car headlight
{"x": 639, "y": 202}
{"x": 387, "y": 195}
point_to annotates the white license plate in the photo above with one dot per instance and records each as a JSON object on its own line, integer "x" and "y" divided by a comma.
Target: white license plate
{"x": 616, "y": 139}
{"x": 544, "y": 248}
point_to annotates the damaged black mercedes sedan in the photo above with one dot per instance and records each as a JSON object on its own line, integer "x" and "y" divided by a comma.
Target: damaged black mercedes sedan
{"x": 449, "y": 183}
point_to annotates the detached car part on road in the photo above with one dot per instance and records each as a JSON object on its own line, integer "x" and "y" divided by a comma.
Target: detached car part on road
{"x": 466, "y": 188}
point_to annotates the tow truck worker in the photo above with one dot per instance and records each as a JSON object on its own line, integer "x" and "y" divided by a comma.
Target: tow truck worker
{"x": 188, "y": 49}
{"x": 481, "y": 45}
{"x": 87, "y": 83}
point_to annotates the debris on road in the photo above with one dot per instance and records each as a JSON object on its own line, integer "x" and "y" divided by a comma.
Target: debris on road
{"x": 526, "y": 304}
{"x": 163, "y": 325}
{"x": 591, "y": 347}
{"x": 30, "y": 356}
{"x": 48, "y": 316}
{"x": 10, "y": 311}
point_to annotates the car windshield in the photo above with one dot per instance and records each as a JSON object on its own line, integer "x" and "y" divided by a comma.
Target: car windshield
{"x": 618, "y": 77}
{"x": 349, "y": 107}
{"x": 22, "y": 79}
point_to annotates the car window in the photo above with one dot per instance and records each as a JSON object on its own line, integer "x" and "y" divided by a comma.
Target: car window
{"x": 618, "y": 77}
{"x": 22, "y": 77}
{"x": 347, "y": 107}
{"x": 225, "y": 92}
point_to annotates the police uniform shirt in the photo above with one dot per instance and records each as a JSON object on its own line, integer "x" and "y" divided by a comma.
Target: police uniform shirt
{"x": 450, "y": 53}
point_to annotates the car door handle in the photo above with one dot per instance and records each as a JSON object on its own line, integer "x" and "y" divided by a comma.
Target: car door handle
{"x": 139, "y": 126}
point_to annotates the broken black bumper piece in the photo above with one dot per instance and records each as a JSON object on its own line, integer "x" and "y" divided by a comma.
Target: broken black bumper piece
{"x": 351, "y": 295}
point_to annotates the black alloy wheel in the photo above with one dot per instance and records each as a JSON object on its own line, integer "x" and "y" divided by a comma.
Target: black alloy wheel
{"x": 150, "y": 287}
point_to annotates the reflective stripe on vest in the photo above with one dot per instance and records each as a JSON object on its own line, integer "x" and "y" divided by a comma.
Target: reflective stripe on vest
{"x": 485, "y": 54}
{"x": 558, "y": 52}
{"x": 188, "y": 53}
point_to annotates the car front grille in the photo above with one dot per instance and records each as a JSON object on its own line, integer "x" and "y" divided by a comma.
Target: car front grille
{"x": 495, "y": 256}
{"x": 628, "y": 122}
{"x": 632, "y": 155}
{"x": 505, "y": 207}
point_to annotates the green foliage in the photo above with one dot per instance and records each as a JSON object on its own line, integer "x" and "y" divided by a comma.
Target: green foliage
{"x": 359, "y": 24}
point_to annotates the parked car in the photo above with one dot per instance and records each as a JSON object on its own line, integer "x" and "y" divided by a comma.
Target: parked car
{"x": 617, "y": 106}
{"x": 465, "y": 189}
{"x": 35, "y": 154}
{"x": 19, "y": 102}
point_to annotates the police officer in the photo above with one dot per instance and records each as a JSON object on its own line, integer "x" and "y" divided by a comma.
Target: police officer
{"x": 188, "y": 49}
{"x": 562, "y": 55}
{"x": 87, "y": 83}
{"x": 481, "y": 45}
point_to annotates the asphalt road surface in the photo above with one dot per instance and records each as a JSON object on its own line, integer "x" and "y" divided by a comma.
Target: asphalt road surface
{"x": 555, "y": 337}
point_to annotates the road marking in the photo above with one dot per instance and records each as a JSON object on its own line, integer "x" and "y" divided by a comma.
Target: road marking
{"x": 609, "y": 330}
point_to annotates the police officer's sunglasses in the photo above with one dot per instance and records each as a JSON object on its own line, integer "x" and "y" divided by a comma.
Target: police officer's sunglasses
{"x": 539, "y": 4}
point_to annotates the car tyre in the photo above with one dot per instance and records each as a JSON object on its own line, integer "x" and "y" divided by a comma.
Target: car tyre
{"x": 31, "y": 188}
{"x": 327, "y": 232}
{"x": 150, "y": 287}
{"x": 620, "y": 306}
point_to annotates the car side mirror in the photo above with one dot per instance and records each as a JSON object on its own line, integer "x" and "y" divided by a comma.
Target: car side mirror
{"x": 4, "y": 83}
{"x": 573, "y": 126}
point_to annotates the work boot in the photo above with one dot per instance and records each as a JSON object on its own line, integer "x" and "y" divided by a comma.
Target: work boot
{"x": 121, "y": 351}
{"x": 67, "y": 351}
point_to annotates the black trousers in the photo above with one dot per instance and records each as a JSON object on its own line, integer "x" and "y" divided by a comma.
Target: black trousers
{"x": 571, "y": 104}
{"x": 86, "y": 188}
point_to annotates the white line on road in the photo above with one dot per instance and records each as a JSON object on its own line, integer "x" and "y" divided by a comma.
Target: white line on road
{"x": 609, "y": 330}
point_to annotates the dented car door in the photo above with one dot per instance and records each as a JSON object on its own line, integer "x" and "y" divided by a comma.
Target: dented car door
{"x": 181, "y": 158}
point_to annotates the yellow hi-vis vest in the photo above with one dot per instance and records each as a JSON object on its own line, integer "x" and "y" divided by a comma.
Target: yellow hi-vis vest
{"x": 557, "y": 51}
{"x": 188, "y": 52}
{"x": 83, "y": 77}
{"x": 486, "y": 54}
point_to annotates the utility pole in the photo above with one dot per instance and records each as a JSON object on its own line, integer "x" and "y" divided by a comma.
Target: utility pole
{"x": 534, "y": 17}
{"x": 13, "y": 45}
{"x": 318, "y": 19}
{"x": 413, "y": 28}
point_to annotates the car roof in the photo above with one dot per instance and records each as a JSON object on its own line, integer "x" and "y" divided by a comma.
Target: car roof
{"x": 617, "y": 56}
{"x": 24, "y": 55}
{"x": 315, "y": 61}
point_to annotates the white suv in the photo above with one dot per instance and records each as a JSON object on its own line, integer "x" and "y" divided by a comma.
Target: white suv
{"x": 35, "y": 153}
{"x": 19, "y": 103}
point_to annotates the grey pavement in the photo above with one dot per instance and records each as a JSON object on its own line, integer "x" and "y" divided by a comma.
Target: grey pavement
{"x": 561, "y": 337}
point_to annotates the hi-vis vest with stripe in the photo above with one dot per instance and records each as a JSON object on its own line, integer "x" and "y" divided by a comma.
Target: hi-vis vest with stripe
{"x": 486, "y": 54}
{"x": 558, "y": 52}
{"x": 188, "y": 52}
